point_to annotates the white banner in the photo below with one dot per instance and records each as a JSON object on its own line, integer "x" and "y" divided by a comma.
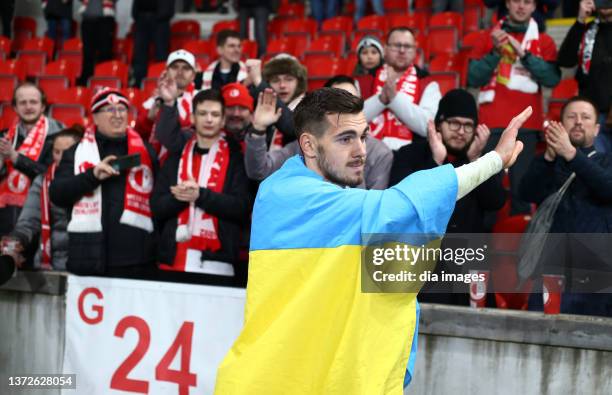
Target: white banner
{"x": 146, "y": 337}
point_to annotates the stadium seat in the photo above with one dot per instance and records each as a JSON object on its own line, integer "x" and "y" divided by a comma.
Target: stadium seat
{"x": 417, "y": 22}
{"x": 554, "y": 109}
{"x": 33, "y": 61}
{"x": 447, "y": 19}
{"x": 8, "y": 82}
{"x": 13, "y": 67}
{"x": 74, "y": 58}
{"x": 62, "y": 67}
{"x": 249, "y": 49}
{"x": 40, "y": 44}
{"x": 225, "y": 25}
{"x": 155, "y": 69}
{"x": 123, "y": 50}
{"x": 275, "y": 27}
{"x": 291, "y": 10}
{"x": 373, "y": 22}
{"x": 25, "y": 23}
{"x": 342, "y": 24}
{"x": 73, "y": 44}
{"x": 566, "y": 89}
{"x": 52, "y": 83}
{"x": 471, "y": 19}
{"x": 187, "y": 27}
{"x": 396, "y": 6}
{"x": 203, "y": 50}
{"x": 73, "y": 95}
{"x": 299, "y": 27}
{"x": 8, "y": 116}
{"x": 441, "y": 40}
{"x": 327, "y": 45}
{"x": 293, "y": 45}
{"x": 323, "y": 67}
{"x": 96, "y": 82}
{"x": 134, "y": 95}
{"x": 451, "y": 62}
{"x": 447, "y": 80}
{"x": 471, "y": 39}
{"x": 422, "y": 4}
{"x": 148, "y": 85}
{"x": 316, "y": 83}
{"x": 112, "y": 68}
{"x": 5, "y": 46}
{"x": 67, "y": 113}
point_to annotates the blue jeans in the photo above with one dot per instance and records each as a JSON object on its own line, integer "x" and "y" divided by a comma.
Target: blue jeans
{"x": 603, "y": 141}
{"x": 54, "y": 24}
{"x": 360, "y": 6}
{"x": 322, "y": 10}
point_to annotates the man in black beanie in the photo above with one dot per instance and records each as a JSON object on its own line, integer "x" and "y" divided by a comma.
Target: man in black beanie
{"x": 454, "y": 138}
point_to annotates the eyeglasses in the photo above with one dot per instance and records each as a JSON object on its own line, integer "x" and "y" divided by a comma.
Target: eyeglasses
{"x": 454, "y": 126}
{"x": 399, "y": 46}
{"x": 121, "y": 110}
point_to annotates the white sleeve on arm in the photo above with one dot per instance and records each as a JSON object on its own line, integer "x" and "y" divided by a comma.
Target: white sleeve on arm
{"x": 473, "y": 174}
{"x": 372, "y": 107}
{"x": 416, "y": 116}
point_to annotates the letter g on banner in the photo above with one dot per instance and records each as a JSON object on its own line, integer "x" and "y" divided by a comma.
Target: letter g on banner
{"x": 98, "y": 309}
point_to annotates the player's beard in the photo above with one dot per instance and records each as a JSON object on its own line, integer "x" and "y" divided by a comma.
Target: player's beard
{"x": 336, "y": 176}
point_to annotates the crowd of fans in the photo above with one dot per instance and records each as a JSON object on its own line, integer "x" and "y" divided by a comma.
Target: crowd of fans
{"x": 170, "y": 197}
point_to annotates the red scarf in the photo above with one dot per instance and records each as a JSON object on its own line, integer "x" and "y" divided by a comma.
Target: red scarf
{"x": 197, "y": 230}
{"x": 386, "y": 126}
{"x": 87, "y": 212}
{"x": 14, "y": 187}
{"x": 45, "y": 218}
{"x": 586, "y": 47}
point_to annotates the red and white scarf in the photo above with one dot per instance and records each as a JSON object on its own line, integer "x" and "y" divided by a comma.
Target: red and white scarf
{"x": 586, "y": 47}
{"x": 45, "y": 218}
{"x": 510, "y": 72}
{"x": 14, "y": 187}
{"x": 386, "y": 126}
{"x": 207, "y": 75}
{"x": 87, "y": 212}
{"x": 184, "y": 106}
{"x": 197, "y": 230}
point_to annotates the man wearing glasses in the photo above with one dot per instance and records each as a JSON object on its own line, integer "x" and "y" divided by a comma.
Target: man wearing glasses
{"x": 105, "y": 183}
{"x": 403, "y": 101}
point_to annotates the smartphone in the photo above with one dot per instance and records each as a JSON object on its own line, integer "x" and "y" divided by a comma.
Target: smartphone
{"x": 126, "y": 162}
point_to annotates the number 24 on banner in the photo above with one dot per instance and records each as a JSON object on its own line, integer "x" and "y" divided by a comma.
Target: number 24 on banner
{"x": 182, "y": 343}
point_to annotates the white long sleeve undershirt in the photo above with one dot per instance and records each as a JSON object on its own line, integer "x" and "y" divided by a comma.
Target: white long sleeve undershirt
{"x": 471, "y": 175}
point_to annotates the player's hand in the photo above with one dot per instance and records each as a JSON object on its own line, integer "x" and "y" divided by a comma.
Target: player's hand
{"x": 434, "y": 138}
{"x": 508, "y": 147}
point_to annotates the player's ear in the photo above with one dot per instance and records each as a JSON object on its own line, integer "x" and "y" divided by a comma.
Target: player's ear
{"x": 308, "y": 144}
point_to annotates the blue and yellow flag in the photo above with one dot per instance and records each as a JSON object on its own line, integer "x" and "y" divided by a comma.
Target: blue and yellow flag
{"x": 308, "y": 327}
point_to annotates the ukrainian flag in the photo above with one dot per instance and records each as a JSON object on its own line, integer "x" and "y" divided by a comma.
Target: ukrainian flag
{"x": 308, "y": 327}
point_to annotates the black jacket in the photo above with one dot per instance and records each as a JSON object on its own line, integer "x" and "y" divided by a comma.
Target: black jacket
{"x": 586, "y": 206}
{"x": 118, "y": 245}
{"x": 597, "y": 85}
{"x": 232, "y": 207}
{"x": 162, "y": 9}
{"x": 469, "y": 210}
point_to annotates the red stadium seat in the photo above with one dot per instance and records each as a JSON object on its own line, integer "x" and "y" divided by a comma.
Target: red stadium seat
{"x": 373, "y": 22}
{"x": 123, "y": 50}
{"x": 417, "y": 22}
{"x": 328, "y": 45}
{"x": 275, "y": 27}
{"x": 323, "y": 67}
{"x": 299, "y": 27}
{"x": 447, "y": 19}
{"x": 342, "y": 24}
{"x": 316, "y": 83}
{"x": 225, "y": 25}
{"x": 148, "y": 85}
{"x": 471, "y": 21}
{"x": 8, "y": 117}
{"x": 73, "y": 95}
{"x": 441, "y": 40}
{"x": 19, "y": 39}
{"x": 112, "y": 68}
{"x": 52, "y": 83}
{"x": 203, "y": 50}
{"x": 447, "y": 80}
{"x": 74, "y": 58}
{"x": 67, "y": 113}
{"x": 5, "y": 46}
{"x": 134, "y": 95}
{"x": 293, "y": 45}
{"x": 186, "y": 27}
{"x": 471, "y": 39}
{"x": 97, "y": 81}
{"x": 291, "y": 10}
{"x": 8, "y": 82}
{"x": 422, "y": 4}
{"x": 451, "y": 62}
{"x": 33, "y": 61}
{"x": 62, "y": 67}
{"x": 73, "y": 44}
{"x": 554, "y": 109}
{"x": 40, "y": 44}
{"x": 14, "y": 67}
{"x": 566, "y": 89}
{"x": 396, "y": 6}
{"x": 249, "y": 49}
{"x": 155, "y": 69}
